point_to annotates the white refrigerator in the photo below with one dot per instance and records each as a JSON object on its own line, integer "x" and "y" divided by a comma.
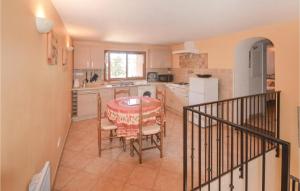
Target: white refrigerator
{"x": 203, "y": 90}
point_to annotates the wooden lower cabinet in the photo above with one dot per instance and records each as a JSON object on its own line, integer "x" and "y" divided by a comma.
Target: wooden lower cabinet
{"x": 86, "y": 107}
{"x": 86, "y": 104}
{"x": 176, "y": 98}
{"x": 133, "y": 91}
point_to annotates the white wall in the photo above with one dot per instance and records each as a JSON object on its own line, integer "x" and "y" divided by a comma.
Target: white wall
{"x": 241, "y": 69}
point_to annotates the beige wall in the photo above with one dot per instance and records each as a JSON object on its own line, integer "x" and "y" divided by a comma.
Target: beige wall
{"x": 35, "y": 95}
{"x": 221, "y": 54}
{"x": 0, "y": 86}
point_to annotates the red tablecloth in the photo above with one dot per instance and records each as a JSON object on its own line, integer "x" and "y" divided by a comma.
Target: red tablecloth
{"x": 126, "y": 117}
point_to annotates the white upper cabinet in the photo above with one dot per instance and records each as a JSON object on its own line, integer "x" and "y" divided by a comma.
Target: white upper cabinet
{"x": 81, "y": 57}
{"x": 97, "y": 57}
{"x": 160, "y": 57}
{"x": 88, "y": 56}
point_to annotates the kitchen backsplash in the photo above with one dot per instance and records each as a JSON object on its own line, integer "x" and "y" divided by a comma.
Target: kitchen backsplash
{"x": 158, "y": 70}
{"x": 195, "y": 61}
{"x": 225, "y": 77}
{"x": 82, "y": 74}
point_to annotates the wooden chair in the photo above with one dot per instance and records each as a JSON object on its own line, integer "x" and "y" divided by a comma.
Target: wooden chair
{"x": 121, "y": 92}
{"x": 161, "y": 95}
{"x": 154, "y": 131}
{"x": 105, "y": 125}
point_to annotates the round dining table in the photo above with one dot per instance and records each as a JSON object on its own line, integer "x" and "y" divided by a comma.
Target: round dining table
{"x": 124, "y": 112}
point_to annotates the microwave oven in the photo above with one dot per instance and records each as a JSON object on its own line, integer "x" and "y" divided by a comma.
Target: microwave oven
{"x": 165, "y": 78}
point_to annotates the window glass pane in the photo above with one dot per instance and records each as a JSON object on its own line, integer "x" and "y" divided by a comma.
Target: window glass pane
{"x": 135, "y": 65}
{"x": 106, "y": 66}
{"x": 117, "y": 65}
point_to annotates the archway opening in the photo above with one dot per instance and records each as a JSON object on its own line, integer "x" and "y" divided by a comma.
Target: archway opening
{"x": 254, "y": 70}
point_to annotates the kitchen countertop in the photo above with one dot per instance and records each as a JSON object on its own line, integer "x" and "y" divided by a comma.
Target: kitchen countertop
{"x": 186, "y": 86}
{"x": 108, "y": 86}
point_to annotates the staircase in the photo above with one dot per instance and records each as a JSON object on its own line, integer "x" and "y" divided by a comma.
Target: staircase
{"x": 235, "y": 144}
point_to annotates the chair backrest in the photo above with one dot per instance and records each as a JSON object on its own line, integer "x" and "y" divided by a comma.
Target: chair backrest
{"x": 142, "y": 104}
{"x": 99, "y": 105}
{"x": 121, "y": 92}
{"x": 161, "y": 95}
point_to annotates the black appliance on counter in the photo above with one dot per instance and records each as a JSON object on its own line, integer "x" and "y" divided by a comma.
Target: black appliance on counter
{"x": 152, "y": 76}
{"x": 165, "y": 77}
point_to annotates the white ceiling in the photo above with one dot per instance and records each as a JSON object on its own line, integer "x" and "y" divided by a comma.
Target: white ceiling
{"x": 168, "y": 21}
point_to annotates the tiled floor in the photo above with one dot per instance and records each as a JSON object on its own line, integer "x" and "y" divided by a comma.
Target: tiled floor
{"x": 81, "y": 169}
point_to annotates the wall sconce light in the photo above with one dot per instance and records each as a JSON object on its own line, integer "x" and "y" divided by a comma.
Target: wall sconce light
{"x": 43, "y": 25}
{"x": 69, "y": 48}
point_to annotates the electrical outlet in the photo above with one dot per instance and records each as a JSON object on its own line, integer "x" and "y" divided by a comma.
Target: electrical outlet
{"x": 58, "y": 142}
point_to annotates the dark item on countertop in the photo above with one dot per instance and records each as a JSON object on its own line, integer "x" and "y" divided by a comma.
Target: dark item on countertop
{"x": 203, "y": 75}
{"x": 182, "y": 83}
{"x": 152, "y": 76}
{"x": 94, "y": 77}
{"x": 165, "y": 78}
{"x": 86, "y": 78}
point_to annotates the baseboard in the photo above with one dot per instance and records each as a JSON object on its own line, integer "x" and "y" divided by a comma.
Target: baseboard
{"x": 83, "y": 118}
{"x": 60, "y": 156}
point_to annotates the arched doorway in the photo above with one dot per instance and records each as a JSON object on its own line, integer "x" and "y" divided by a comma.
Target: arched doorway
{"x": 254, "y": 70}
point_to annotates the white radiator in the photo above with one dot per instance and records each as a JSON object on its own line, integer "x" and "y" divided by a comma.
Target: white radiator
{"x": 41, "y": 180}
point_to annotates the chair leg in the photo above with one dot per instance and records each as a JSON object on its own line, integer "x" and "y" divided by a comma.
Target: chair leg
{"x": 99, "y": 142}
{"x": 165, "y": 132}
{"x": 110, "y": 135}
{"x": 131, "y": 147}
{"x": 161, "y": 144}
{"x": 152, "y": 140}
{"x": 140, "y": 149}
{"x": 124, "y": 143}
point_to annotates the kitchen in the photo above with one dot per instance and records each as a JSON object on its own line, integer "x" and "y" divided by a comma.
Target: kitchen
{"x": 63, "y": 63}
{"x": 89, "y": 62}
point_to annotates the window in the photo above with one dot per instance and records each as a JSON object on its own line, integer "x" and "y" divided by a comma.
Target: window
{"x": 124, "y": 65}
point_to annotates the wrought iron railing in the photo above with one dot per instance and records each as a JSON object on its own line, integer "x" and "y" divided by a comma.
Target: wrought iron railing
{"x": 295, "y": 183}
{"x": 220, "y": 137}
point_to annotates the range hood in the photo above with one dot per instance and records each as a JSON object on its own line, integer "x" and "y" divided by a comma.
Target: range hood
{"x": 189, "y": 47}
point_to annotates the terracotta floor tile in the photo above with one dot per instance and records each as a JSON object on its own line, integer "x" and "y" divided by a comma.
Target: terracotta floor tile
{"x": 67, "y": 156}
{"x": 129, "y": 187}
{"x": 119, "y": 170}
{"x": 64, "y": 175}
{"x": 82, "y": 181}
{"x": 111, "y": 154}
{"x": 79, "y": 161}
{"x": 91, "y": 149}
{"x": 166, "y": 181}
{"x": 143, "y": 177}
{"x": 82, "y": 169}
{"x": 109, "y": 184}
{"x": 171, "y": 165}
{"x": 98, "y": 166}
{"x": 126, "y": 158}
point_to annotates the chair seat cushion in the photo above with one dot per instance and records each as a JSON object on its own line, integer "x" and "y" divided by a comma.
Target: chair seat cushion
{"x": 107, "y": 125}
{"x": 151, "y": 130}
